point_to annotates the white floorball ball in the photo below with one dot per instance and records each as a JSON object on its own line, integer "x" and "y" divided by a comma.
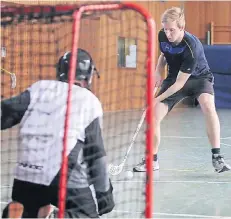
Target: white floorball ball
{"x": 128, "y": 174}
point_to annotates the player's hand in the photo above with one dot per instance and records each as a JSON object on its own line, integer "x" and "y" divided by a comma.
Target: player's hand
{"x": 156, "y": 100}
{"x": 105, "y": 201}
{"x": 158, "y": 80}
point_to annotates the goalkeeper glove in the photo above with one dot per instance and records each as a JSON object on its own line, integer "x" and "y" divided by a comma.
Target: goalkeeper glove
{"x": 105, "y": 201}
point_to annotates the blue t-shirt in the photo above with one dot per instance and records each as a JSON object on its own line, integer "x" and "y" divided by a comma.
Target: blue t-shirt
{"x": 188, "y": 56}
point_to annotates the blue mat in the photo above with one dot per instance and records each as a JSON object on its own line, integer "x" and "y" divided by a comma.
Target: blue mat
{"x": 222, "y": 87}
{"x": 219, "y": 59}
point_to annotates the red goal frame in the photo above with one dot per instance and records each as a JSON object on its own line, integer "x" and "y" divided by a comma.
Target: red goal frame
{"x": 78, "y": 11}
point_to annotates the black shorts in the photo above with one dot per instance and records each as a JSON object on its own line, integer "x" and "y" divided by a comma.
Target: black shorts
{"x": 79, "y": 202}
{"x": 193, "y": 88}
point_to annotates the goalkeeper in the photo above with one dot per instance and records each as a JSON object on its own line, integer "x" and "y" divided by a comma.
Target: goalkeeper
{"x": 40, "y": 111}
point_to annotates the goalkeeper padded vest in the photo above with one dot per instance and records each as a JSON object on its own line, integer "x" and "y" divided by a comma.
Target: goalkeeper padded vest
{"x": 42, "y": 128}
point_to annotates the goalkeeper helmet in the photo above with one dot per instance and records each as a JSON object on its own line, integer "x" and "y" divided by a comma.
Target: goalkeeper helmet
{"x": 84, "y": 67}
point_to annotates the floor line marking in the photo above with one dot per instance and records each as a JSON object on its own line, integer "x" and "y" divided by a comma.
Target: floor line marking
{"x": 172, "y": 214}
{"x": 229, "y": 145}
{"x": 190, "y": 137}
{"x": 171, "y": 181}
{"x": 160, "y": 181}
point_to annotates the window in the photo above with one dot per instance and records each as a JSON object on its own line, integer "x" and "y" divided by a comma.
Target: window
{"x": 127, "y": 48}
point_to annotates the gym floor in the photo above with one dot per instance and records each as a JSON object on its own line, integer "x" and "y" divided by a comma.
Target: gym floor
{"x": 186, "y": 185}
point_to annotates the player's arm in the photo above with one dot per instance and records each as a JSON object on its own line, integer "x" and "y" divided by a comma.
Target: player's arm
{"x": 161, "y": 63}
{"x": 187, "y": 67}
{"x": 95, "y": 155}
{"x": 13, "y": 109}
{"x": 180, "y": 82}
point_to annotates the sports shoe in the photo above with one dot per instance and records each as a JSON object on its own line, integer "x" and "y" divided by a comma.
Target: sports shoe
{"x": 141, "y": 167}
{"x": 219, "y": 163}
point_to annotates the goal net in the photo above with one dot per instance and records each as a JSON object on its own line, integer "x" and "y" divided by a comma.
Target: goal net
{"x": 120, "y": 38}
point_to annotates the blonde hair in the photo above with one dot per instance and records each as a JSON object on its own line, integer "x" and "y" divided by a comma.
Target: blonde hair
{"x": 174, "y": 14}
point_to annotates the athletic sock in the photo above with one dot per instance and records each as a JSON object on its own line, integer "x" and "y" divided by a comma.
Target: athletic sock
{"x": 155, "y": 157}
{"x": 215, "y": 151}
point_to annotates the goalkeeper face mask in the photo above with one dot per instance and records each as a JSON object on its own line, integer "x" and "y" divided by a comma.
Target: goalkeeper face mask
{"x": 85, "y": 68}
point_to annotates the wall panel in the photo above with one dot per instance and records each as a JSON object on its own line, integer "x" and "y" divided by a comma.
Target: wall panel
{"x": 199, "y": 14}
{"x": 99, "y": 37}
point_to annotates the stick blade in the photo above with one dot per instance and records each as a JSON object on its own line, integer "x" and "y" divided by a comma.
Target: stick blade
{"x": 115, "y": 170}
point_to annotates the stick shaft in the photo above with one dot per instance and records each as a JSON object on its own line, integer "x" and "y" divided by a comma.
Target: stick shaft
{"x": 10, "y": 73}
{"x": 135, "y": 135}
{"x": 138, "y": 129}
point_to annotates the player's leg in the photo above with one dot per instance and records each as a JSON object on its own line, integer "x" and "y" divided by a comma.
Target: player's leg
{"x": 204, "y": 92}
{"x": 32, "y": 196}
{"x": 18, "y": 208}
{"x": 13, "y": 210}
{"x": 160, "y": 111}
{"x": 207, "y": 103}
{"x": 47, "y": 211}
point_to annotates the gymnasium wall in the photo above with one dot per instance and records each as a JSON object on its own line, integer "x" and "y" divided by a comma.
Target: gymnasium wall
{"x": 36, "y": 58}
{"x": 199, "y": 14}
